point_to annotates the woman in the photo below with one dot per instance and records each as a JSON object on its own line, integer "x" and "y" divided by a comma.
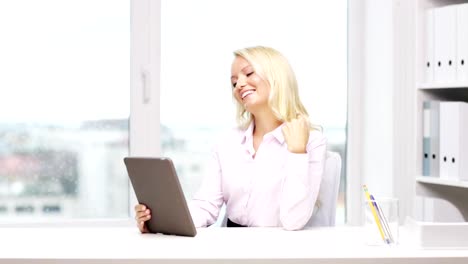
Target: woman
{"x": 267, "y": 171}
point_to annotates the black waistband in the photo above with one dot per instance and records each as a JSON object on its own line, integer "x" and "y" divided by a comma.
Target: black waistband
{"x": 232, "y": 224}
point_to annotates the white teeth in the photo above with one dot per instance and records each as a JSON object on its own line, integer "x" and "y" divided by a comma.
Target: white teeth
{"x": 244, "y": 94}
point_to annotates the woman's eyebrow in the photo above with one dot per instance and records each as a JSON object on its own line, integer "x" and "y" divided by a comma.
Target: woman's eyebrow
{"x": 242, "y": 70}
{"x": 246, "y": 68}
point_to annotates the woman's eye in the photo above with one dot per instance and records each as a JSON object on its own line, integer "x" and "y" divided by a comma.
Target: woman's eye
{"x": 234, "y": 85}
{"x": 248, "y": 74}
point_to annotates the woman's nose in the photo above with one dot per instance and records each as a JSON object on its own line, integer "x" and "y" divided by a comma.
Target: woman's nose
{"x": 241, "y": 82}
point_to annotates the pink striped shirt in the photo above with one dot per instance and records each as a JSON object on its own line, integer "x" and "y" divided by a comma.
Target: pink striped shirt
{"x": 277, "y": 188}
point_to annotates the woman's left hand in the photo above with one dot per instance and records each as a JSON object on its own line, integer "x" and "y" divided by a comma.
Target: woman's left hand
{"x": 296, "y": 134}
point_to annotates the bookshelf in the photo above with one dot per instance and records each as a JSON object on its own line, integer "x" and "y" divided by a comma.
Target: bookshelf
{"x": 430, "y": 86}
{"x": 453, "y": 191}
{"x": 443, "y": 182}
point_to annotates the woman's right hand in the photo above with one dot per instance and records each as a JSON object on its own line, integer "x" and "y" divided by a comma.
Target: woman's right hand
{"x": 142, "y": 214}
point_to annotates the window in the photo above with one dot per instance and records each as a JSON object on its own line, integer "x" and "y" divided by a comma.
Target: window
{"x": 64, "y": 108}
{"x": 65, "y": 84}
{"x": 197, "y": 41}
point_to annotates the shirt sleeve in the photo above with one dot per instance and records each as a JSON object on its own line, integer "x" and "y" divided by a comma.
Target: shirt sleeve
{"x": 301, "y": 184}
{"x": 207, "y": 202}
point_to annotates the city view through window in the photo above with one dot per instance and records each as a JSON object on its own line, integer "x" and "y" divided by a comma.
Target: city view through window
{"x": 64, "y": 108}
{"x": 65, "y": 82}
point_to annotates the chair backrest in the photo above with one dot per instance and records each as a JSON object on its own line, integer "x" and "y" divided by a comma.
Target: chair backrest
{"x": 325, "y": 209}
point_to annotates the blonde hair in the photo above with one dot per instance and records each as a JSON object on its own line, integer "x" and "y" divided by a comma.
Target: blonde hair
{"x": 274, "y": 68}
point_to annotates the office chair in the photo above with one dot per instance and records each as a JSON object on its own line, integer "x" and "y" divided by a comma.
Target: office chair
{"x": 325, "y": 210}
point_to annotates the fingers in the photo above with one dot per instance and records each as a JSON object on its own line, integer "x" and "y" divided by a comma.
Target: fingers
{"x": 142, "y": 213}
{"x": 296, "y": 134}
{"x": 300, "y": 122}
{"x": 143, "y": 216}
{"x": 300, "y": 119}
{"x": 140, "y": 207}
{"x": 301, "y": 116}
{"x": 142, "y": 227}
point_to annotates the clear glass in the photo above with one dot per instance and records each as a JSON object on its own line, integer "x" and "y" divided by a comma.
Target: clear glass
{"x": 64, "y": 108}
{"x": 381, "y": 221}
{"x": 198, "y": 38}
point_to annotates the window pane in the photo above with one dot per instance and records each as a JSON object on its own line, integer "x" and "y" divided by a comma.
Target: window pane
{"x": 198, "y": 38}
{"x": 64, "y": 108}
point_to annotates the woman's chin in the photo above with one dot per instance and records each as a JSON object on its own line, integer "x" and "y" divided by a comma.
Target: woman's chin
{"x": 253, "y": 108}
{"x": 249, "y": 105}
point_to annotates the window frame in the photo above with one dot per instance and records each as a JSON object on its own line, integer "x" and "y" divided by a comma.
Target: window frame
{"x": 145, "y": 61}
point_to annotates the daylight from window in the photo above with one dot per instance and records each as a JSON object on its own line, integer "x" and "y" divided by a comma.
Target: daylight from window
{"x": 198, "y": 38}
{"x": 64, "y": 108}
{"x": 65, "y": 85}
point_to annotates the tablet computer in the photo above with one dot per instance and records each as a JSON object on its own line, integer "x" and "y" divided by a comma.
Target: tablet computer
{"x": 157, "y": 186}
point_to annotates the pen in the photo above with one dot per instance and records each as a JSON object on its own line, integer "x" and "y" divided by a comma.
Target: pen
{"x": 376, "y": 218}
{"x": 383, "y": 218}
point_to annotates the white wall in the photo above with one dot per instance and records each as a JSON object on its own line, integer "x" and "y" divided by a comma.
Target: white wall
{"x": 382, "y": 102}
{"x": 370, "y": 111}
{"x": 377, "y": 127}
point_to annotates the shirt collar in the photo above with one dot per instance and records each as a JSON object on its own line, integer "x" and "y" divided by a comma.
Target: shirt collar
{"x": 277, "y": 133}
{"x": 248, "y": 133}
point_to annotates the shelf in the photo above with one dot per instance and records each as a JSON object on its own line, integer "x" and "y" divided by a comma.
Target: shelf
{"x": 439, "y": 181}
{"x": 430, "y": 86}
{"x": 455, "y": 192}
{"x": 452, "y": 92}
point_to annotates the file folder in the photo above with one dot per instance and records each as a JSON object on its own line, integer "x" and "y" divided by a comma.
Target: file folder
{"x": 447, "y": 137}
{"x": 445, "y": 44}
{"x": 429, "y": 47}
{"x": 454, "y": 140}
{"x": 435, "y": 138}
{"x": 431, "y": 138}
{"x": 426, "y": 169}
{"x": 462, "y": 43}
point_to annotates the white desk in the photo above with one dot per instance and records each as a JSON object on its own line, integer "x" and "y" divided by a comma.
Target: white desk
{"x": 211, "y": 245}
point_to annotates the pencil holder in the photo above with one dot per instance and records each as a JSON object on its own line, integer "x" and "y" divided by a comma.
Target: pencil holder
{"x": 381, "y": 221}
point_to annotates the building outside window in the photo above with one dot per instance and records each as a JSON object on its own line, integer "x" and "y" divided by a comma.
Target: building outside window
{"x": 64, "y": 108}
{"x": 65, "y": 82}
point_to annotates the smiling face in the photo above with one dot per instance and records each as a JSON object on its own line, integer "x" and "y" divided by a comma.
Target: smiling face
{"x": 249, "y": 88}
